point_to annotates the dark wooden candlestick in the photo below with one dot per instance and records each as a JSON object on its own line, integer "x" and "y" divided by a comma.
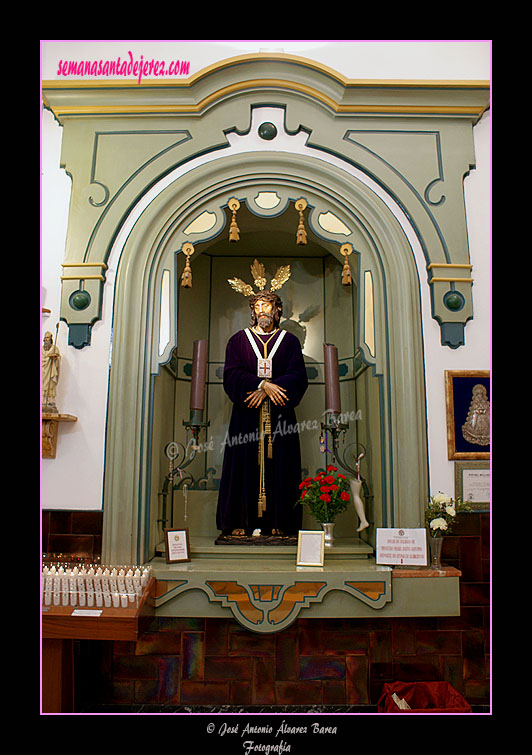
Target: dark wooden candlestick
{"x": 199, "y": 375}
{"x": 197, "y": 390}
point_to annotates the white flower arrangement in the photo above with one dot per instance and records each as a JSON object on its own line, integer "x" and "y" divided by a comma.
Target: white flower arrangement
{"x": 438, "y": 524}
{"x": 442, "y": 513}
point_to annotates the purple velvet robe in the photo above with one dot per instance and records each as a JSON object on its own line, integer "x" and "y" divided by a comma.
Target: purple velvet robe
{"x": 239, "y": 485}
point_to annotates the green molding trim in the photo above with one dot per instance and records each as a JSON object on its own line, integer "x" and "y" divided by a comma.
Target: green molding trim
{"x": 151, "y": 247}
{"x": 117, "y": 144}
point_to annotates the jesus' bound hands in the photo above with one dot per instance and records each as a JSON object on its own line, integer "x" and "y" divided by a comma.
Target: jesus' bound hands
{"x": 274, "y": 392}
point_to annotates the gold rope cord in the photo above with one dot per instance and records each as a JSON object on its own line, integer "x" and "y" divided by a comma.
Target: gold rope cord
{"x": 265, "y": 429}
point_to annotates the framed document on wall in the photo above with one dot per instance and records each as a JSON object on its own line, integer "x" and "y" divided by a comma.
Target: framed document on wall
{"x": 472, "y": 483}
{"x": 467, "y": 400}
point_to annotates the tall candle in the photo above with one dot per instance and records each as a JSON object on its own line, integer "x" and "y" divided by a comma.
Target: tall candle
{"x": 332, "y": 381}
{"x": 199, "y": 375}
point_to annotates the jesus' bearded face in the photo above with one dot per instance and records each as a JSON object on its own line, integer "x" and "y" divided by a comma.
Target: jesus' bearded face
{"x": 264, "y": 312}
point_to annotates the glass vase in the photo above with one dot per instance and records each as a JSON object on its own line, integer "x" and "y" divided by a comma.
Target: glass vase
{"x": 435, "y": 546}
{"x": 328, "y": 528}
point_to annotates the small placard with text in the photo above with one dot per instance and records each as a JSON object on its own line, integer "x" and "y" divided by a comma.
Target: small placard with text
{"x": 401, "y": 547}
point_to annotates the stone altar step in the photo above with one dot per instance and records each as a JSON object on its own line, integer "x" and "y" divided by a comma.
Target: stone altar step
{"x": 205, "y": 547}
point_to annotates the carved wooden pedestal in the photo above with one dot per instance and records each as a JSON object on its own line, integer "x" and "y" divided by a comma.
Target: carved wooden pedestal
{"x": 50, "y": 425}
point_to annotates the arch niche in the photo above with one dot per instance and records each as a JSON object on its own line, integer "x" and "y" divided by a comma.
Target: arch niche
{"x": 386, "y": 292}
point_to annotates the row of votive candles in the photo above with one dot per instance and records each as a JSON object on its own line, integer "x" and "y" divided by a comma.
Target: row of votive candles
{"x": 101, "y": 586}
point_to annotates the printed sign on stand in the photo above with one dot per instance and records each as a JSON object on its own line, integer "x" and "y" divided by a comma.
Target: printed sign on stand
{"x": 401, "y": 547}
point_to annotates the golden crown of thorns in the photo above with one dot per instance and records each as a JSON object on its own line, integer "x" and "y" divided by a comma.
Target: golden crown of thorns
{"x": 259, "y": 279}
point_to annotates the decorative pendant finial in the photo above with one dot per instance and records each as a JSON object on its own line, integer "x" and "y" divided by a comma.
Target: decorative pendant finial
{"x": 186, "y": 277}
{"x": 346, "y": 250}
{"x": 301, "y": 235}
{"x": 234, "y": 231}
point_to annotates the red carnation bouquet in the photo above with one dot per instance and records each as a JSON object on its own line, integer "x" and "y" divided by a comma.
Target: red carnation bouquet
{"x": 326, "y": 495}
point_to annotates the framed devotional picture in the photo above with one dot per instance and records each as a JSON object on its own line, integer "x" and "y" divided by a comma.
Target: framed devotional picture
{"x": 467, "y": 399}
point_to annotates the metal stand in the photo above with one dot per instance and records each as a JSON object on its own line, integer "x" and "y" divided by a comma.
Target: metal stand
{"x": 336, "y": 428}
{"x": 180, "y": 456}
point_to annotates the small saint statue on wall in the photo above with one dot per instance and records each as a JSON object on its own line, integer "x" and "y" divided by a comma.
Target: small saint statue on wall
{"x": 51, "y": 367}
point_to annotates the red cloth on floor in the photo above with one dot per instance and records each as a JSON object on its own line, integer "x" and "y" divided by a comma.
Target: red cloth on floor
{"x": 423, "y": 697}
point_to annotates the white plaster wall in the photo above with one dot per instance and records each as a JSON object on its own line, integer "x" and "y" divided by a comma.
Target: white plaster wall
{"x": 74, "y": 480}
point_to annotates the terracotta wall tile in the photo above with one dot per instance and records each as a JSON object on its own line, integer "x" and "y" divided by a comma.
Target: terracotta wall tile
{"x": 243, "y": 642}
{"x": 169, "y": 672}
{"x": 345, "y": 642}
{"x": 438, "y": 643}
{"x": 135, "y": 667}
{"x": 380, "y": 647}
{"x": 121, "y": 692}
{"x": 204, "y": 693}
{"x": 474, "y": 594}
{"x": 286, "y": 657}
{"x": 216, "y": 636}
{"x": 193, "y": 658}
{"x": 477, "y": 692}
{"x": 334, "y": 692}
{"x": 357, "y": 680}
{"x": 471, "y": 559}
{"x": 475, "y": 656}
{"x": 263, "y": 691}
{"x": 299, "y": 693}
{"x": 314, "y": 667}
{"x": 228, "y": 668}
{"x": 180, "y": 624}
{"x": 159, "y": 643}
{"x": 146, "y": 690}
{"x": 240, "y": 693}
{"x": 414, "y": 670}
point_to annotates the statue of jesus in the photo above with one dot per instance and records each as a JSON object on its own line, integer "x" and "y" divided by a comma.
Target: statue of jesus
{"x": 265, "y": 378}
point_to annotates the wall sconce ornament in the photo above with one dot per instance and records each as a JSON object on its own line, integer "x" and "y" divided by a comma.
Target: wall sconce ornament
{"x": 186, "y": 277}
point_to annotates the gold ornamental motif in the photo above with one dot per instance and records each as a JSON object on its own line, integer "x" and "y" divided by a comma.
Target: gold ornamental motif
{"x": 259, "y": 279}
